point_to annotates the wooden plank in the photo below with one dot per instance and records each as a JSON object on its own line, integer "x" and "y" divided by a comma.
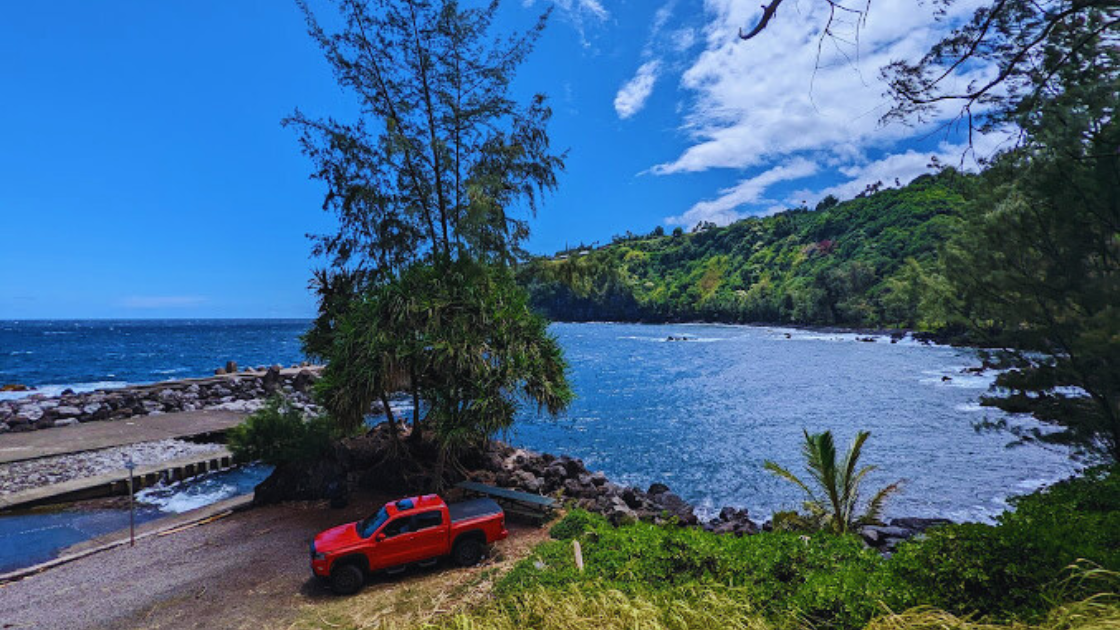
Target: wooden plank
{"x": 510, "y": 495}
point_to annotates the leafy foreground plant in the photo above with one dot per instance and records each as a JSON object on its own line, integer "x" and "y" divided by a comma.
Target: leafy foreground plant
{"x": 969, "y": 576}
{"x": 833, "y": 502}
{"x": 278, "y": 434}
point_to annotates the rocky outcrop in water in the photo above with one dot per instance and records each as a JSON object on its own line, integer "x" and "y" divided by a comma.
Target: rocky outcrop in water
{"x": 241, "y": 392}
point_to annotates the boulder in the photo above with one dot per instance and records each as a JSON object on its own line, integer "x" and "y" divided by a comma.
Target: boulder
{"x": 4, "y": 428}
{"x": 67, "y": 411}
{"x": 618, "y": 513}
{"x": 65, "y": 422}
{"x": 231, "y": 367}
{"x": 632, "y": 497}
{"x": 28, "y": 414}
{"x": 870, "y": 536}
{"x": 676, "y": 507}
{"x": 271, "y": 380}
{"x": 303, "y": 381}
{"x": 883, "y": 532}
{"x": 598, "y": 478}
{"x": 572, "y": 488}
{"x": 919, "y": 524}
{"x": 527, "y": 480}
{"x": 657, "y": 488}
{"x": 15, "y": 387}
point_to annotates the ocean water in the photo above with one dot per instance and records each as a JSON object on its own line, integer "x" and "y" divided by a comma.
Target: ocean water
{"x": 29, "y": 537}
{"x": 84, "y": 355}
{"x": 701, "y": 415}
{"x": 704, "y": 415}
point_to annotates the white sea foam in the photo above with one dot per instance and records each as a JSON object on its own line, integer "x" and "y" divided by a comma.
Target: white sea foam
{"x": 56, "y": 390}
{"x": 178, "y": 498}
{"x": 957, "y": 379}
{"x": 970, "y": 407}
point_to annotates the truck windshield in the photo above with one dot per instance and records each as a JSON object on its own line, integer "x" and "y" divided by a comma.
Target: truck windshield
{"x": 367, "y": 526}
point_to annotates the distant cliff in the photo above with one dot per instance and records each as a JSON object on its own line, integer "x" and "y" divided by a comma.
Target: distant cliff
{"x": 862, "y": 262}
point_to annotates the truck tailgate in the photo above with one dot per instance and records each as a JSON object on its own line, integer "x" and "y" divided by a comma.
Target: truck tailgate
{"x": 473, "y": 509}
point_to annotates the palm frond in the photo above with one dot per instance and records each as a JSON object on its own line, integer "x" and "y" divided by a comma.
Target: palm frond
{"x": 875, "y": 505}
{"x": 778, "y": 470}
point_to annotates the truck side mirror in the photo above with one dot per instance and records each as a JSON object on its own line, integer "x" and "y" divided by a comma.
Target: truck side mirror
{"x": 379, "y": 537}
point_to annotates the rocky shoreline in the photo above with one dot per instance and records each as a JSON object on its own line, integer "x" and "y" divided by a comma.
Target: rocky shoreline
{"x": 543, "y": 473}
{"x": 229, "y": 390}
{"x": 373, "y": 462}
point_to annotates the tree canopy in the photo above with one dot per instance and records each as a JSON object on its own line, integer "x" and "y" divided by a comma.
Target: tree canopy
{"x": 432, "y": 187}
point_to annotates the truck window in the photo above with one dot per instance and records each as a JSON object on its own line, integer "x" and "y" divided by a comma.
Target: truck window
{"x": 426, "y": 520}
{"x": 397, "y": 527}
{"x": 367, "y": 526}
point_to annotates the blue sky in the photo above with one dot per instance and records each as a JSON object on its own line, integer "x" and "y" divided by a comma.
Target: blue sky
{"x": 144, "y": 172}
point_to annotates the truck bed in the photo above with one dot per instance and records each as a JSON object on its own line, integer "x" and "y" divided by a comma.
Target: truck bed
{"x": 473, "y": 509}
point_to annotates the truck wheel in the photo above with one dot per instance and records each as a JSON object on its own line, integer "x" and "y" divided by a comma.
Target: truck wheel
{"x": 347, "y": 579}
{"x": 467, "y": 552}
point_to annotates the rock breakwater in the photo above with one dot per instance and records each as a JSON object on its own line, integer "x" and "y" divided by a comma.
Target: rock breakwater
{"x": 243, "y": 391}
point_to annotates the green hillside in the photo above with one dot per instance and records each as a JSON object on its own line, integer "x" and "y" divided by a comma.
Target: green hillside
{"x": 854, "y": 263}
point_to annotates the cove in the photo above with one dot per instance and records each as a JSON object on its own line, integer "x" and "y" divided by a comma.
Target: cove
{"x": 702, "y": 415}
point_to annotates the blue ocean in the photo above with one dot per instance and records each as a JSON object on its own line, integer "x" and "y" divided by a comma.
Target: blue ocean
{"x": 702, "y": 415}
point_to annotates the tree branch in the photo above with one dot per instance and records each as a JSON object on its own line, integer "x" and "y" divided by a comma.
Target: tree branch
{"x": 768, "y": 11}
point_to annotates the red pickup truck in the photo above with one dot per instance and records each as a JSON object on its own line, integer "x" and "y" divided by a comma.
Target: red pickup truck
{"x": 417, "y": 530}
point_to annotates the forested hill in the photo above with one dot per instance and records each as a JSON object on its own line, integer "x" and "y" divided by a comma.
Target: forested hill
{"x": 856, "y": 263}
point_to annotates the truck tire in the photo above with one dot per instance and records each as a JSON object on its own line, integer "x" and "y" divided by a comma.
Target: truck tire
{"x": 467, "y": 552}
{"x": 347, "y": 579}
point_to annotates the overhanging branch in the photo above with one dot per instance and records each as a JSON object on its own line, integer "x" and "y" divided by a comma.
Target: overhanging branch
{"x": 768, "y": 11}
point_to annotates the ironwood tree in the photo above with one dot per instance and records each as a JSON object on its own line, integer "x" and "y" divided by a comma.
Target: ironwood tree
{"x": 432, "y": 188}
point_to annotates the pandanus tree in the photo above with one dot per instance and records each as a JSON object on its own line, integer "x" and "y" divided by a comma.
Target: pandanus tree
{"x": 834, "y": 485}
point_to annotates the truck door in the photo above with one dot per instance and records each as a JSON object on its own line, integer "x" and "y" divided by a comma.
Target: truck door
{"x": 396, "y": 546}
{"x": 430, "y": 534}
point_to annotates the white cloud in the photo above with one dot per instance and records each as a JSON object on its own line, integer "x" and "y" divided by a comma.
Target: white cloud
{"x": 768, "y": 99}
{"x": 163, "y": 301}
{"x": 632, "y": 96}
{"x": 724, "y": 208}
{"x": 683, "y": 39}
{"x": 899, "y": 169}
{"x": 578, "y": 12}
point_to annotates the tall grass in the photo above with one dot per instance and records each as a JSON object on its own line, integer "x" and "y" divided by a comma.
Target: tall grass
{"x": 585, "y": 607}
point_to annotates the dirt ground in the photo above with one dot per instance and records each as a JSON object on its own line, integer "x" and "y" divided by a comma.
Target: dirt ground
{"x": 247, "y": 570}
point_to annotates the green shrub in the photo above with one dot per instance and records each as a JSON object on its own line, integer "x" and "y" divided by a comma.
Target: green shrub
{"x": 278, "y": 433}
{"x": 1017, "y": 567}
{"x": 1014, "y": 570}
{"x": 574, "y": 524}
{"x": 824, "y": 579}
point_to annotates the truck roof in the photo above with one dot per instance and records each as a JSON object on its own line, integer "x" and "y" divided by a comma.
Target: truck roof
{"x": 409, "y": 504}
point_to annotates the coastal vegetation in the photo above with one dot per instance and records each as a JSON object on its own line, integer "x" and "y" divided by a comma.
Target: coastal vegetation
{"x": 279, "y": 433}
{"x": 418, "y": 293}
{"x": 856, "y": 263}
{"x": 834, "y": 488}
{"x": 1052, "y": 562}
{"x": 427, "y": 291}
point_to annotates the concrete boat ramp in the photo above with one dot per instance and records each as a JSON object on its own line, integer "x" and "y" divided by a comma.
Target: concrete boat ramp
{"x": 91, "y": 436}
{"x": 105, "y": 434}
